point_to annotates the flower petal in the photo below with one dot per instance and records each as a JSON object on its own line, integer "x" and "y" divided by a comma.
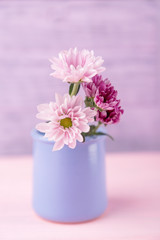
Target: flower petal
{"x": 42, "y": 127}
{"x": 42, "y": 107}
{"x": 58, "y": 145}
{"x": 59, "y": 99}
{"x": 84, "y": 127}
{"x": 79, "y": 137}
{"x": 72, "y": 144}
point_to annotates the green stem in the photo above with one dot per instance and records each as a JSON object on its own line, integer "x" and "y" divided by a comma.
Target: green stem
{"x": 75, "y": 89}
{"x": 99, "y": 123}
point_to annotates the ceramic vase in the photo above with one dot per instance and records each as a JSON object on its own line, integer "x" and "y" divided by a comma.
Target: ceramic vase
{"x": 69, "y": 185}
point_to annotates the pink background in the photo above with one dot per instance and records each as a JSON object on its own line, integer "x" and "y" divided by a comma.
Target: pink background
{"x": 125, "y": 33}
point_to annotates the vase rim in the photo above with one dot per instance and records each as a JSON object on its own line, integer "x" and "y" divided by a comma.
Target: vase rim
{"x": 37, "y": 135}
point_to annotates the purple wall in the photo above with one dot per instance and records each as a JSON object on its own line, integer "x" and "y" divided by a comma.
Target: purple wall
{"x": 124, "y": 32}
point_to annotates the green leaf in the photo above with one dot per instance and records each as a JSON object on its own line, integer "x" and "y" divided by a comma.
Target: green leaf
{"x": 78, "y": 88}
{"x": 83, "y": 135}
{"x": 71, "y": 88}
{"x": 102, "y": 133}
{"x": 93, "y": 133}
{"x": 89, "y": 102}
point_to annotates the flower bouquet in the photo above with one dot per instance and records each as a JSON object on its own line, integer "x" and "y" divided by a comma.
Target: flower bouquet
{"x": 69, "y": 185}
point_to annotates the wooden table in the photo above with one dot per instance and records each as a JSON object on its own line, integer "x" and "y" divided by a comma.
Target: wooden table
{"x": 133, "y": 213}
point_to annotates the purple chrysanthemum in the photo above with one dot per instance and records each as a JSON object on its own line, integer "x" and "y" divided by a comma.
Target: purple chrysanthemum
{"x": 92, "y": 87}
{"x": 106, "y": 96}
{"x": 105, "y": 100}
{"x": 110, "y": 116}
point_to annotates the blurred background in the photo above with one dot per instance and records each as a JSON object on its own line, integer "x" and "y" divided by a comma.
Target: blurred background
{"x": 125, "y": 33}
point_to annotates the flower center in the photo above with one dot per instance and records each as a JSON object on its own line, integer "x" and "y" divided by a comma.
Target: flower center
{"x": 66, "y": 122}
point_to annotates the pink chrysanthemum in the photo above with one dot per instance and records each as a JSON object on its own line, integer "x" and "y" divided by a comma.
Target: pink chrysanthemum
{"x": 66, "y": 120}
{"x": 73, "y": 66}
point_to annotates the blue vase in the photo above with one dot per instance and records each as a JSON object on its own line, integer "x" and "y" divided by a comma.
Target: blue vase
{"x": 69, "y": 185}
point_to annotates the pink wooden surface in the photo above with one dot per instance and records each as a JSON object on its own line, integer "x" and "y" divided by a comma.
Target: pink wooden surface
{"x": 134, "y": 202}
